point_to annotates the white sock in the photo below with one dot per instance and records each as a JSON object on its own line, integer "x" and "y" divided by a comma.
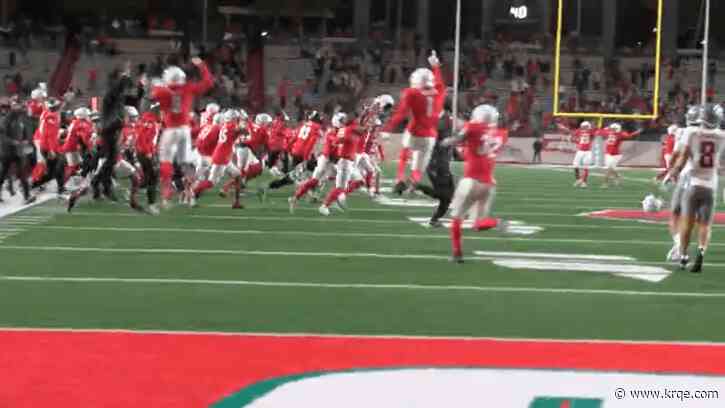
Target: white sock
{"x": 676, "y": 239}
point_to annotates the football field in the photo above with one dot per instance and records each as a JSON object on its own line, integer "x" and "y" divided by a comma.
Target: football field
{"x": 374, "y": 270}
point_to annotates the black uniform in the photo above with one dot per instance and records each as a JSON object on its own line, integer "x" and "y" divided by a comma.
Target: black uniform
{"x": 15, "y": 145}
{"x": 112, "y": 119}
{"x": 439, "y": 172}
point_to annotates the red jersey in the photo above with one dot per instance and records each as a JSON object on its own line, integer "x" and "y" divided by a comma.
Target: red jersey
{"x": 80, "y": 132}
{"x": 583, "y": 139}
{"x": 49, "y": 132}
{"x": 305, "y": 140}
{"x": 228, "y": 136}
{"x": 277, "y": 136}
{"x": 668, "y": 145}
{"x": 614, "y": 141}
{"x": 208, "y": 139}
{"x": 479, "y": 146}
{"x": 147, "y": 132}
{"x": 128, "y": 136}
{"x": 423, "y": 106}
{"x": 195, "y": 127}
{"x": 176, "y": 101}
{"x": 330, "y": 145}
{"x": 257, "y": 137}
{"x": 35, "y": 108}
{"x": 348, "y": 140}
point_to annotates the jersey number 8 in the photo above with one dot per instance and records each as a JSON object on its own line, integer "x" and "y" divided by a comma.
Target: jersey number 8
{"x": 707, "y": 153}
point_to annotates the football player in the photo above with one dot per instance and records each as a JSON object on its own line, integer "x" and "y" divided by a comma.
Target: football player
{"x": 614, "y": 136}
{"x": 347, "y": 137}
{"x": 422, "y": 102}
{"x": 583, "y": 138}
{"x": 702, "y": 148}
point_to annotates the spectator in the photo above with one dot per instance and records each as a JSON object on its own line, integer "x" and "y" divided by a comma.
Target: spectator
{"x": 538, "y": 147}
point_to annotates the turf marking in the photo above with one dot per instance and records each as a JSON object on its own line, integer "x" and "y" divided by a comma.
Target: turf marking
{"x": 555, "y": 256}
{"x": 322, "y": 285}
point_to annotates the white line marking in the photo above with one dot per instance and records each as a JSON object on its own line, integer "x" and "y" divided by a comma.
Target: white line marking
{"x": 647, "y": 273}
{"x": 458, "y": 288}
{"x": 597, "y": 242}
{"x": 152, "y": 332}
{"x": 554, "y": 256}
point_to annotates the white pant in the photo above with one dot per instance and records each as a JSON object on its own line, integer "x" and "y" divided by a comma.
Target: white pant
{"x": 203, "y": 165}
{"x": 668, "y": 160}
{"x": 365, "y": 163}
{"x": 175, "y": 144}
{"x": 73, "y": 158}
{"x": 611, "y": 162}
{"x": 346, "y": 172}
{"x": 38, "y": 155}
{"x": 245, "y": 158}
{"x": 218, "y": 171}
{"x": 582, "y": 160}
{"x": 473, "y": 195}
{"x": 421, "y": 149}
{"x": 324, "y": 168}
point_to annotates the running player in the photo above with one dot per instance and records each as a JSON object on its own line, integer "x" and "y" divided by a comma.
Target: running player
{"x": 614, "y": 137}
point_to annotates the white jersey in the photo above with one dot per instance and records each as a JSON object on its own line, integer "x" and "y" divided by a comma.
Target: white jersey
{"x": 680, "y": 136}
{"x": 706, "y": 146}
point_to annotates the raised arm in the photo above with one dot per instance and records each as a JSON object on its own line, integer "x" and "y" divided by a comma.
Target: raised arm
{"x": 207, "y": 80}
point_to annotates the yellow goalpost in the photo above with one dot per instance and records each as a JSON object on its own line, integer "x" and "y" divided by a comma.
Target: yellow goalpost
{"x": 601, "y": 116}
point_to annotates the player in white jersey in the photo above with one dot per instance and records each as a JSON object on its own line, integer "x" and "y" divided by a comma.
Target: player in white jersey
{"x": 702, "y": 149}
{"x": 692, "y": 119}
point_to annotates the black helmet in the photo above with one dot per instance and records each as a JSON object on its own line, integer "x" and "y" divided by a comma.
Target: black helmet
{"x": 712, "y": 116}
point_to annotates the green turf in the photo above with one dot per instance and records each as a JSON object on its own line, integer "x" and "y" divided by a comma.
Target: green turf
{"x": 541, "y": 197}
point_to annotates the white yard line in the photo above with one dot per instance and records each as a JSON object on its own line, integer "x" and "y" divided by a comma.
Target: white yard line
{"x": 457, "y": 288}
{"x": 367, "y": 235}
{"x": 153, "y": 332}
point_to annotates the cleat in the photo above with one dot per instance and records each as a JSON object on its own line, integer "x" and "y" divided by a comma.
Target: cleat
{"x": 165, "y": 204}
{"x": 153, "y": 209}
{"x": 342, "y": 201}
{"x": 697, "y": 266}
{"x": 192, "y": 201}
{"x": 435, "y": 223}
{"x": 276, "y": 172}
{"x": 577, "y": 183}
{"x": 583, "y": 185}
{"x": 457, "y": 259}
{"x": 324, "y": 211}
{"x": 135, "y": 206}
{"x": 674, "y": 254}
{"x": 71, "y": 201}
{"x": 502, "y": 226}
{"x": 292, "y": 205}
{"x": 28, "y": 201}
{"x": 237, "y": 206}
{"x": 684, "y": 260}
{"x": 399, "y": 188}
{"x": 222, "y": 194}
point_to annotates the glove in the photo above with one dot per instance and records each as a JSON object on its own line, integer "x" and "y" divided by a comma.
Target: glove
{"x": 433, "y": 59}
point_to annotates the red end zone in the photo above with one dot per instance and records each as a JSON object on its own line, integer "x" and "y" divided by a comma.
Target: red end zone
{"x": 639, "y": 215}
{"x": 126, "y": 369}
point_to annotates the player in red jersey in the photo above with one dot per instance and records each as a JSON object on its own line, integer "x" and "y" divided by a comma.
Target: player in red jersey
{"x": 277, "y": 142}
{"x": 668, "y": 150}
{"x": 147, "y": 134}
{"x": 50, "y": 148}
{"x": 205, "y": 145}
{"x": 422, "y": 103}
{"x": 222, "y": 158}
{"x": 300, "y": 148}
{"x": 207, "y": 117}
{"x": 348, "y": 139}
{"x": 36, "y": 107}
{"x": 326, "y": 161}
{"x": 614, "y": 136}
{"x": 252, "y": 145}
{"x": 583, "y": 138}
{"x": 78, "y": 137}
{"x": 176, "y": 98}
{"x": 481, "y": 140}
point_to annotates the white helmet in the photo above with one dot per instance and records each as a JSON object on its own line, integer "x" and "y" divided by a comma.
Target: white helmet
{"x": 174, "y": 76}
{"x": 615, "y": 127}
{"x": 586, "y": 125}
{"x": 672, "y": 129}
{"x": 652, "y": 204}
{"x": 422, "y": 78}
{"x": 212, "y": 108}
{"x": 339, "y": 119}
{"x": 242, "y": 115}
{"x": 218, "y": 119}
{"x": 131, "y": 112}
{"x": 485, "y": 114}
{"x": 82, "y": 113}
{"x": 263, "y": 119}
{"x": 385, "y": 101}
{"x": 230, "y": 115}
{"x": 38, "y": 94}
